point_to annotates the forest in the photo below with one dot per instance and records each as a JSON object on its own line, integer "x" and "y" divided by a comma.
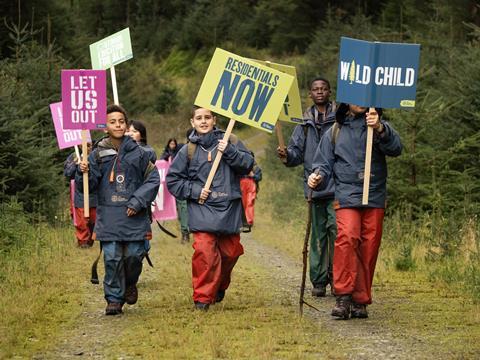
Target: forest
{"x": 431, "y": 231}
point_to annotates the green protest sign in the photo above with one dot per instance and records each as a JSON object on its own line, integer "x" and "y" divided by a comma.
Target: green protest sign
{"x": 111, "y": 50}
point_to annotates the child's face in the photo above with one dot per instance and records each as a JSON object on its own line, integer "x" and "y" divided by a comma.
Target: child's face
{"x": 172, "y": 145}
{"x": 320, "y": 92}
{"x": 134, "y": 133}
{"x": 203, "y": 121}
{"x": 116, "y": 125}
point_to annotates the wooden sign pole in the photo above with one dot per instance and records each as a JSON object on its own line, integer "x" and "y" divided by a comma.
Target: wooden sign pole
{"x": 86, "y": 204}
{"x": 114, "y": 85}
{"x": 278, "y": 131}
{"x": 77, "y": 153}
{"x": 218, "y": 157}
{"x": 368, "y": 163}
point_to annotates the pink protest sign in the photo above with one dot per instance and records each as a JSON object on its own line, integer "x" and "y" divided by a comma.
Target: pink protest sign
{"x": 165, "y": 206}
{"x": 65, "y": 138}
{"x": 84, "y": 99}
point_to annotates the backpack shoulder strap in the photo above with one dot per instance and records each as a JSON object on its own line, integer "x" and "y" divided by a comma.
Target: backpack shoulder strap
{"x": 335, "y": 131}
{"x": 191, "y": 147}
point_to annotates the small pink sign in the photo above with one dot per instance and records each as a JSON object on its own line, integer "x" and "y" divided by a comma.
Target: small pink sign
{"x": 164, "y": 207}
{"x": 84, "y": 99}
{"x": 65, "y": 138}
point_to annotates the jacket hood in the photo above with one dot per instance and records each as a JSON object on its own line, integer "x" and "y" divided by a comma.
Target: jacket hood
{"x": 128, "y": 144}
{"x": 206, "y": 140}
{"x": 342, "y": 112}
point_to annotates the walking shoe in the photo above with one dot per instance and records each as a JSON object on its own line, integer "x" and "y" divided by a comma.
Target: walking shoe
{"x": 220, "y": 296}
{"x": 113, "y": 309}
{"x": 201, "y": 306}
{"x": 131, "y": 294}
{"x": 342, "y": 307}
{"x": 359, "y": 311}
{"x": 319, "y": 291}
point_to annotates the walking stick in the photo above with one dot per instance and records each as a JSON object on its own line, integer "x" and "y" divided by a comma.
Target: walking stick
{"x": 305, "y": 253}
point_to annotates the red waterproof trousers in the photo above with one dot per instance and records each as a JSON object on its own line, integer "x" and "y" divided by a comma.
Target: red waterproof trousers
{"x": 84, "y": 228}
{"x": 359, "y": 232}
{"x": 249, "y": 193}
{"x": 212, "y": 264}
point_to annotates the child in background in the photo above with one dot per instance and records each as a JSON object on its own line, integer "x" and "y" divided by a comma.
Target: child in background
{"x": 126, "y": 182}
{"x": 171, "y": 150}
{"x": 216, "y": 223}
{"x": 249, "y": 187}
{"x": 83, "y": 226}
{"x": 303, "y": 143}
{"x": 138, "y": 132}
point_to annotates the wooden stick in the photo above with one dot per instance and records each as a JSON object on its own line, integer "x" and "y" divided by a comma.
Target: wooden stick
{"x": 278, "y": 131}
{"x": 77, "y": 152}
{"x": 218, "y": 157}
{"x": 114, "y": 85}
{"x": 368, "y": 163}
{"x": 86, "y": 204}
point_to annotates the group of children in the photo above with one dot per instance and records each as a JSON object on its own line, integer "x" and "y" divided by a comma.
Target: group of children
{"x": 330, "y": 144}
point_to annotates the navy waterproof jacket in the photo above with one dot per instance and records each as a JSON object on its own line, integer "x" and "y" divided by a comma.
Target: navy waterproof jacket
{"x": 134, "y": 185}
{"x": 69, "y": 170}
{"x": 222, "y": 211}
{"x": 301, "y": 150}
{"x": 344, "y": 161}
{"x": 152, "y": 156}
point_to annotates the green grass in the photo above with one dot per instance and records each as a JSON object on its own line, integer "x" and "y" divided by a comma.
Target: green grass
{"x": 255, "y": 320}
{"x": 38, "y": 293}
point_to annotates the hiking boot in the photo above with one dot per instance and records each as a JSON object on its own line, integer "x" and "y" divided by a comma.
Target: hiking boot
{"x": 201, "y": 306}
{"x": 342, "y": 307}
{"x": 113, "y": 309}
{"x": 131, "y": 294}
{"x": 319, "y": 291}
{"x": 247, "y": 228}
{"x": 359, "y": 311}
{"x": 220, "y": 296}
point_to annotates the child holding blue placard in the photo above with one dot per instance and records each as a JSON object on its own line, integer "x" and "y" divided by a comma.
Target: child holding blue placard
{"x": 216, "y": 222}
{"x": 341, "y": 156}
{"x": 127, "y": 182}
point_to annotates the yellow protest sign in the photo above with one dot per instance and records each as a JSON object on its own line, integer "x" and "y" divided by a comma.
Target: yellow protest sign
{"x": 244, "y": 90}
{"x": 292, "y": 107}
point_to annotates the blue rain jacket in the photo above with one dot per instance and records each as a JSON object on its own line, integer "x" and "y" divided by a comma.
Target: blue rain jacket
{"x": 133, "y": 184}
{"x": 222, "y": 211}
{"x": 302, "y": 151}
{"x": 344, "y": 161}
{"x": 69, "y": 170}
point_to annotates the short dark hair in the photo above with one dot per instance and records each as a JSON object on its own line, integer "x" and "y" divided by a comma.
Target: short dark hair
{"x": 195, "y": 108}
{"x": 140, "y": 127}
{"x": 319, "y": 79}
{"x": 117, "y": 108}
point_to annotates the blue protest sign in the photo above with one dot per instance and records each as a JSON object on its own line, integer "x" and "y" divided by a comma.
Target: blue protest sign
{"x": 375, "y": 74}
